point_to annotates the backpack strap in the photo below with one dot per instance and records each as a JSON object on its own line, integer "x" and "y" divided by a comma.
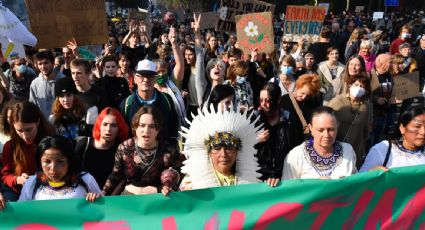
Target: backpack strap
{"x": 85, "y": 151}
{"x": 127, "y": 104}
{"x": 387, "y": 156}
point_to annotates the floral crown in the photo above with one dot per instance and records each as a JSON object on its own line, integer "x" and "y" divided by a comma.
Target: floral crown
{"x": 223, "y": 139}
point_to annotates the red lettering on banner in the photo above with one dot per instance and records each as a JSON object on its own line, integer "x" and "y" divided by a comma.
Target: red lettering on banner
{"x": 287, "y": 210}
{"x": 107, "y": 225}
{"x": 212, "y": 223}
{"x": 169, "y": 223}
{"x": 35, "y": 227}
{"x": 382, "y": 212}
{"x": 358, "y": 210}
{"x": 411, "y": 212}
{"x": 237, "y": 219}
{"x": 325, "y": 207}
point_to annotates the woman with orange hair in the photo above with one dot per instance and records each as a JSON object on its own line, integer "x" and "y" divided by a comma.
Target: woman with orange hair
{"x": 97, "y": 154}
{"x": 304, "y": 99}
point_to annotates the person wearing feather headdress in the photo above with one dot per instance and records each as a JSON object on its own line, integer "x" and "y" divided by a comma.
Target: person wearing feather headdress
{"x": 219, "y": 148}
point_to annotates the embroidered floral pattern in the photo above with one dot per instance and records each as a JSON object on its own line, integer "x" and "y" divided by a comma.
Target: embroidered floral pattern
{"x": 324, "y": 166}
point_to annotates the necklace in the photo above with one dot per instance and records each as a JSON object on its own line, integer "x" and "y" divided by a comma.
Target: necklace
{"x": 143, "y": 155}
{"x": 324, "y": 166}
{"x": 404, "y": 149}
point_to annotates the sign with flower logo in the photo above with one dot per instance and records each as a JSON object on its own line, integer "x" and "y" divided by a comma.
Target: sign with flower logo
{"x": 255, "y": 31}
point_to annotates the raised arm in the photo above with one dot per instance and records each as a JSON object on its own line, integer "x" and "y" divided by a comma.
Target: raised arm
{"x": 178, "y": 55}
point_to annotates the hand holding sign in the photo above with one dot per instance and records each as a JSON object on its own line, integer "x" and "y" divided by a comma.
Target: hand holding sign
{"x": 72, "y": 45}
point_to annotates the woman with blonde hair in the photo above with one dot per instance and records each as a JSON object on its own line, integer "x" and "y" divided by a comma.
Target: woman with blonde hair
{"x": 353, "y": 44}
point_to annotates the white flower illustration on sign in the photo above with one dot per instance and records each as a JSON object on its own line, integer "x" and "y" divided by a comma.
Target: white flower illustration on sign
{"x": 251, "y": 29}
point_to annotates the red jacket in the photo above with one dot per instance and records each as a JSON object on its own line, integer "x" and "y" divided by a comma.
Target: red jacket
{"x": 8, "y": 176}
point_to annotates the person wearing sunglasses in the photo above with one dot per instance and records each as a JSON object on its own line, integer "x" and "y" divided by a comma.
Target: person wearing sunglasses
{"x": 277, "y": 139}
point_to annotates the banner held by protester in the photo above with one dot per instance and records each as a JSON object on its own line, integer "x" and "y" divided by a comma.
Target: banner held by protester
{"x": 55, "y": 22}
{"x": 255, "y": 31}
{"x": 237, "y": 7}
{"x": 406, "y": 85}
{"x": 304, "y": 21}
{"x": 370, "y": 200}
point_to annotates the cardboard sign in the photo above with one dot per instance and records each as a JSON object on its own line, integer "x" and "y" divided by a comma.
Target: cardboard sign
{"x": 255, "y": 31}
{"x": 326, "y": 5}
{"x": 209, "y": 20}
{"x": 136, "y": 15}
{"x": 406, "y": 85}
{"x": 56, "y": 22}
{"x": 378, "y": 15}
{"x": 238, "y": 7}
{"x": 359, "y": 9}
{"x": 304, "y": 21}
{"x": 10, "y": 51}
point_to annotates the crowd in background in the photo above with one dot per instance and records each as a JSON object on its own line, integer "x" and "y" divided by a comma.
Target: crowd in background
{"x": 77, "y": 128}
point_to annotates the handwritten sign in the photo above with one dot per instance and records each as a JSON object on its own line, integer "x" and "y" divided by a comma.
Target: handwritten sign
{"x": 238, "y": 7}
{"x": 255, "y": 31}
{"x": 359, "y": 9}
{"x": 378, "y": 15}
{"x": 209, "y": 20}
{"x": 304, "y": 21}
{"x": 56, "y": 22}
{"x": 406, "y": 85}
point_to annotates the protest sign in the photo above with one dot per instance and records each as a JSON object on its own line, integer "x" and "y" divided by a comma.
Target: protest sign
{"x": 378, "y": 15}
{"x": 372, "y": 200}
{"x": 304, "y": 21}
{"x": 359, "y": 9}
{"x": 136, "y": 15}
{"x": 90, "y": 52}
{"x": 237, "y": 7}
{"x": 255, "y": 31}
{"x": 406, "y": 85}
{"x": 326, "y": 5}
{"x": 209, "y": 20}
{"x": 11, "y": 51}
{"x": 139, "y": 16}
{"x": 56, "y": 22}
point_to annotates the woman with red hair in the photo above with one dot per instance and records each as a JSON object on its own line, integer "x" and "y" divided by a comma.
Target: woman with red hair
{"x": 97, "y": 154}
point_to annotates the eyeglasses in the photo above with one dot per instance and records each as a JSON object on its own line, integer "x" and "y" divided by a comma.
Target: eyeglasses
{"x": 265, "y": 100}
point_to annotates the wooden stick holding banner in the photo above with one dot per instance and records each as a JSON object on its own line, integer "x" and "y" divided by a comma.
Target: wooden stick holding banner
{"x": 255, "y": 31}
{"x": 304, "y": 21}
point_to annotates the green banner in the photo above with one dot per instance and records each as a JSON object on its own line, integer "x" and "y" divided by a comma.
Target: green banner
{"x": 373, "y": 200}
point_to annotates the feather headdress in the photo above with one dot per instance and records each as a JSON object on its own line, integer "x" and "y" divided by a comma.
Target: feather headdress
{"x": 198, "y": 165}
